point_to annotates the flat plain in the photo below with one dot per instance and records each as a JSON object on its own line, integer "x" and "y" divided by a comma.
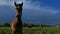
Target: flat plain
{"x": 33, "y": 30}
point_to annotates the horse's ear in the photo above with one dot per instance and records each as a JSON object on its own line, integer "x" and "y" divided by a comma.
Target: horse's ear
{"x": 22, "y": 4}
{"x": 15, "y": 3}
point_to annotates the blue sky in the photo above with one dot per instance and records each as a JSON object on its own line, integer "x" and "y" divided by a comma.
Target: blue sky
{"x": 45, "y": 12}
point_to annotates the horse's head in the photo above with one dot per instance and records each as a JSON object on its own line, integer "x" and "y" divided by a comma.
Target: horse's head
{"x": 18, "y": 8}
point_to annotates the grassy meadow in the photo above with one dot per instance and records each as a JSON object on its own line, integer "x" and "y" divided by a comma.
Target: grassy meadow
{"x": 33, "y": 30}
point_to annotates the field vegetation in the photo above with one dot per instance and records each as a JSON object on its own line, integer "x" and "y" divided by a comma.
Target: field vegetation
{"x": 31, "y": 29}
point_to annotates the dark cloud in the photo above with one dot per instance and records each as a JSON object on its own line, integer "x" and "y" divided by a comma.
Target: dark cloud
{"x": 31, "y": 14}
{"x": 6, "y": 13}
{"x": 39, "y": 17}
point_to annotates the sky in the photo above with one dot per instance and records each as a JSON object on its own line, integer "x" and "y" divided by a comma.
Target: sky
{"x": 46, "y": 12}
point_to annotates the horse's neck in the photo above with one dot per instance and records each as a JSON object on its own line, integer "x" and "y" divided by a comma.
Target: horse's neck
{"x": 18, "y": 17}
{"x": 18, "y": 14}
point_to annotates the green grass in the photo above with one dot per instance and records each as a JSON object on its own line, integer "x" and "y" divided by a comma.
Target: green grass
{"x": 5, "y": 30}
{"x": 33, "y": 30}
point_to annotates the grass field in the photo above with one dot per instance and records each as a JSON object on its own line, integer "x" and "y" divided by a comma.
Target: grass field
{"x": 33, "y": 30}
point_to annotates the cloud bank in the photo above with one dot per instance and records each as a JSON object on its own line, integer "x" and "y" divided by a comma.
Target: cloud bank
{"x": 34, "y": 12}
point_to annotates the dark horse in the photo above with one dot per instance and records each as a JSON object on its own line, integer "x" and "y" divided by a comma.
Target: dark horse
{"x": 16, "y": 25}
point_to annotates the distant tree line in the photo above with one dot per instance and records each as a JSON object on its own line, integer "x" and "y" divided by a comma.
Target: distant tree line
{"x": 5, "y": 25}
{"x": 24, "y": 25}
{"x": 33, "y": 25}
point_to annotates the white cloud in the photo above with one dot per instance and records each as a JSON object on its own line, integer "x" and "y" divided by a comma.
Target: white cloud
{"x": 5, "y": 2}
{"x": 2, "y": 2}
{"x": 36, "y": 6}
{"x": 29, "y": 5}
